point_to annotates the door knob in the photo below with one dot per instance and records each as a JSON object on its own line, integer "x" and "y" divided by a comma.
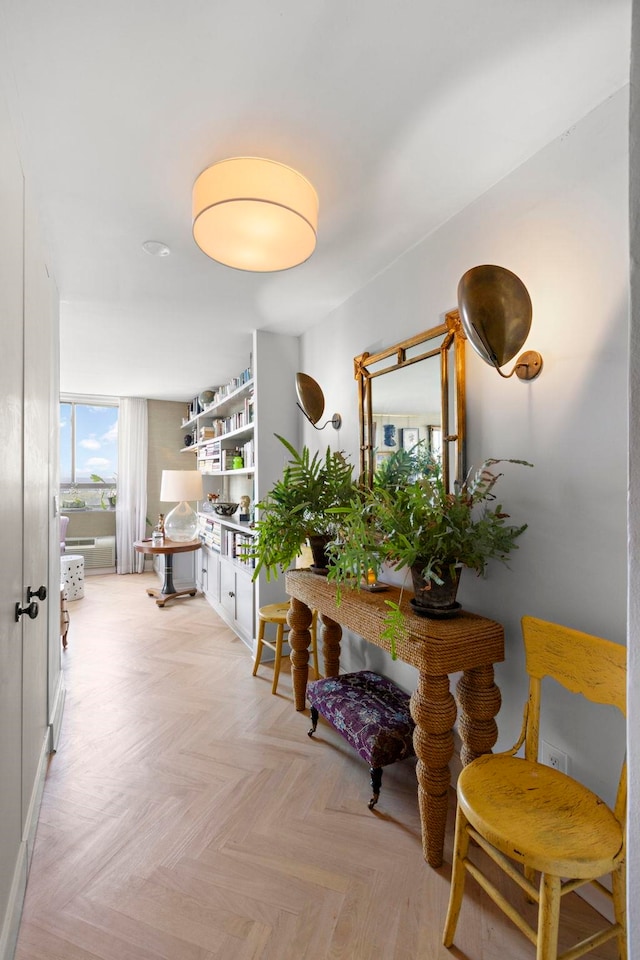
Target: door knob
{"x": 32, "y": 611}
{"x": 40, "y": 593}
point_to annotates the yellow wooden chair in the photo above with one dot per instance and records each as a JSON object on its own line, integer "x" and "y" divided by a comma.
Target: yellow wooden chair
{"x": 524, "y": 811}
{"x": 276, "y": 613}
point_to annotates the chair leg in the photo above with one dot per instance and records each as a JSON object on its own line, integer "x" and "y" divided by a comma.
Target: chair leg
{"x": 278, "y": 660}
{"x": 548, "y": 918}
{"x": 619, "y": 887}
{"x": 259, "y": 639}
{"x": 458, "y": 877}
{"x": 376, "y": 783}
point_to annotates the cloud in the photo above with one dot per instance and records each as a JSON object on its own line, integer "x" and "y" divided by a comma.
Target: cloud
{"x": 97, "y": 462}
{"x": 90, "y": 443}
{"x": 111, "y": 435}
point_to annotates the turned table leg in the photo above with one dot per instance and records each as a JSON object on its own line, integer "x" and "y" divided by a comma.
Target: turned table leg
{"x": 299, "y": 620}
{"x": 479, "y": 701}
{"x": 434, "y": 711}
{"x": 331, "y": 636}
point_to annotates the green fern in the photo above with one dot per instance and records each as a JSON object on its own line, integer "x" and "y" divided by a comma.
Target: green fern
{"x": 395, "y": 627}
{"x": 304, "y": 502}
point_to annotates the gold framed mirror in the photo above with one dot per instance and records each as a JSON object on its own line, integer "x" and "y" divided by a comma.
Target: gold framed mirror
{"x": 414, "y": 391}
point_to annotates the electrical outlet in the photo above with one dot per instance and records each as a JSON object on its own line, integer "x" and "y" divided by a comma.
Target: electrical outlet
{"x": 554, "y": 757}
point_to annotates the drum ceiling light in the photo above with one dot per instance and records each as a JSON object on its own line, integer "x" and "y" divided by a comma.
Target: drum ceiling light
{"x": 254, "y": 214}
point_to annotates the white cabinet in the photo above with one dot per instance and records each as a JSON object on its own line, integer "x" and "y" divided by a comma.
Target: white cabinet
{"x": 226, "y": 574}
{"x": 208, "y": 574}
{"x": 237, "y": 598}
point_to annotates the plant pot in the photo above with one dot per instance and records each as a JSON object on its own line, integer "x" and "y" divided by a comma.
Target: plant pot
{"x": 435, "y": 599}
{"x": 320, "y": 560}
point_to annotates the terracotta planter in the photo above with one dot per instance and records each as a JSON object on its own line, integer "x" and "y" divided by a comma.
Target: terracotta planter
{"x": 434, "y": 599}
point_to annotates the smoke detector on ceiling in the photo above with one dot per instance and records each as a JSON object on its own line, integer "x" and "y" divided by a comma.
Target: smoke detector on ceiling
{"x": 156, "y": 248}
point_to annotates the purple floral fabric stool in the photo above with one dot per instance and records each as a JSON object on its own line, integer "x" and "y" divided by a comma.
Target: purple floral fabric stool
{"x": 372, "y": 714}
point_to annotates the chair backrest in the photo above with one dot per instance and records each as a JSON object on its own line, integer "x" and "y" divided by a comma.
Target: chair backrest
{"x": 584, "y": 664}
{"x": 64, "y": 523}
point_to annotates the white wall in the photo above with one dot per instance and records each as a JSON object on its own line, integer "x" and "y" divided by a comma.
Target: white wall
{"x": 560, "y": 222}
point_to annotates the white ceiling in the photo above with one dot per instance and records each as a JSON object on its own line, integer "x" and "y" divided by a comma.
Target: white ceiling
{"x": 400, "y": 112}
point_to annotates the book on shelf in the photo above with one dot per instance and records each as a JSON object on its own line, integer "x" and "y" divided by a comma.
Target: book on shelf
{"x": 209, "y": 531}
{"x": 238, "y": 546}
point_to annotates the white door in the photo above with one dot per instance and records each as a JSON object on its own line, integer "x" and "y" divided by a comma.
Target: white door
{"x": 11, "y": 509}
{"x": 37, "y": 381}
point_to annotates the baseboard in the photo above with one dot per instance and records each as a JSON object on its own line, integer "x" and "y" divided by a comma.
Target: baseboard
{"x": 31, "y": 819}
{"x": 55, "y": 714}
{"x": 11, "y": 922}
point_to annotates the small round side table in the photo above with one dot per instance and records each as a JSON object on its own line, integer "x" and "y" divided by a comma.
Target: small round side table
{"x": 167, "y": 548}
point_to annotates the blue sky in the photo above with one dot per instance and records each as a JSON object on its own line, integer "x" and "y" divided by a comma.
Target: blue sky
{"x": 96, "y": 442}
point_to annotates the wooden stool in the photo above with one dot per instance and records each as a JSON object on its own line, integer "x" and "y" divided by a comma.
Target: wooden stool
{"x": 277, "y": 613}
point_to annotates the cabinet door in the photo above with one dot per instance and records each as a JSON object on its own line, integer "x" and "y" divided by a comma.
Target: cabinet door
{"x": 228, "y": 587}
{"x": 208, "y": 570}
{"x": 244, "y": 603}
{"x": 212, "y": 591}
{"x": 201, "y": 570}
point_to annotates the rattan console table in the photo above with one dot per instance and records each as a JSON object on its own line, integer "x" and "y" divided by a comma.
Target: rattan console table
{"x": 467, "y": 643}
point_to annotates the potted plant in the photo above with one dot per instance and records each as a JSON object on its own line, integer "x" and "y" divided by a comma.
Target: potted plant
{"x": 300, "y": 507}
{"x": 110, "y": 494}
{"x": 71, "y": 499}
{"x": 408, "y": 519}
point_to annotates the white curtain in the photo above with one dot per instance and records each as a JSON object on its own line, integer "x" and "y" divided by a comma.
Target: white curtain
{"x": 131, "y": 505}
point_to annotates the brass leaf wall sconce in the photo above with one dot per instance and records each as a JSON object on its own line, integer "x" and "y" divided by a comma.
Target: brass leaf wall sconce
{"x": 311, "y": 402}
{"x": 495, "y": 311}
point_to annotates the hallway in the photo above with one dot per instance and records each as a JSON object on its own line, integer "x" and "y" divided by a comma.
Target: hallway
{"x": 188, "y": 816}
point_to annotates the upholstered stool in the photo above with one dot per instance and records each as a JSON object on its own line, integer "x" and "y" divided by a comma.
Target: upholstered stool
{"x": 72, "y": 575}
{"x": 372, "y": 714}
{"x": 276, "y": 613}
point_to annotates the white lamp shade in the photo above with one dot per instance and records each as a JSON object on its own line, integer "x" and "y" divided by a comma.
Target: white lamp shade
{"x": 181, "y": 485}
{"x": 255, "y": 214}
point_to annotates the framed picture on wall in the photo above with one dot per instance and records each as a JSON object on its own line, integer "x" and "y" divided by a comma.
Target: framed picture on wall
{"x": 389, "y": 436}
{"x": 410, "y": 436}
{"x": 381, "y": 456}
{"x": 434, "y": 439}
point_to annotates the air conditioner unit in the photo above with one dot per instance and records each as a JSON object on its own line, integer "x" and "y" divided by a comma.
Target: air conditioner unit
{"x": 99, "y": 552}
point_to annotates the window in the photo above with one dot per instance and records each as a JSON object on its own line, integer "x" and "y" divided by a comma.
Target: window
{"x": 88, "y": 453}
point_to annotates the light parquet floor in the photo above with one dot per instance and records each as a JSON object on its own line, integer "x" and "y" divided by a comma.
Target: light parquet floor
{"x": 188, "y": 816}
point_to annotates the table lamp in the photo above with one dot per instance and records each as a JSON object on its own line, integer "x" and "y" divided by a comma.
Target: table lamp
{"x": 181, "y": 523}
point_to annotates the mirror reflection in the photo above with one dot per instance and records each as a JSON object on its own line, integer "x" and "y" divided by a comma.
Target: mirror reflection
{"x": 413, "y": 392}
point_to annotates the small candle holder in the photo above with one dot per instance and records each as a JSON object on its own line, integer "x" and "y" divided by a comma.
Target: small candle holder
{"x": 371, "y": 584}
